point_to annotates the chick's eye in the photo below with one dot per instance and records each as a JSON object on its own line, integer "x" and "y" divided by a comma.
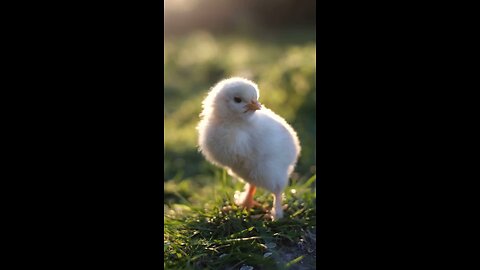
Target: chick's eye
{"x": 237, "y": 99}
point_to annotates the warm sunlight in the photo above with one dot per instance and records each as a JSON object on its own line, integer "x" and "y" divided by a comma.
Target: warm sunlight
{"x": 208, "y": 222}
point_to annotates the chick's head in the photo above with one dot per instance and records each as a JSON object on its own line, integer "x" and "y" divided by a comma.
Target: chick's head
{"x": 234, "y": 98}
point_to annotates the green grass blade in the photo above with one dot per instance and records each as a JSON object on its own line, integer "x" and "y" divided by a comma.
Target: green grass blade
{"x": 310, "y": 181}
{"x": 294, "y": 261}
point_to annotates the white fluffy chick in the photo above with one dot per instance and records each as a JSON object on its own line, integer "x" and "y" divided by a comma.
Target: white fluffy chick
{"x": 250, "y": 141}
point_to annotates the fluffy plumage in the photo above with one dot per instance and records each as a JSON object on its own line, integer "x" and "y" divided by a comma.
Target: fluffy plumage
{"x": 253, "y": 143}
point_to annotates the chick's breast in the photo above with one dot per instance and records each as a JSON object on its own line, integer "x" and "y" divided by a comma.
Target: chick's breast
{"x": 223, "y": 144}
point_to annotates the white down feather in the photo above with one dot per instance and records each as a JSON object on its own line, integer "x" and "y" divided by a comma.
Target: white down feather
{"x": 258, "y": 146}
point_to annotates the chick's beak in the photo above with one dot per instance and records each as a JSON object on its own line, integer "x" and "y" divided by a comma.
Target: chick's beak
{"x": 253, "y": 105}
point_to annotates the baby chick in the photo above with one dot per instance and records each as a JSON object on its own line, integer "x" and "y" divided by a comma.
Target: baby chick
{"x": 253, "y": 143}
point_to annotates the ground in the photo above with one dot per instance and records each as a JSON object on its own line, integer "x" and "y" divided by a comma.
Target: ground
{"x": 210, "y": 237}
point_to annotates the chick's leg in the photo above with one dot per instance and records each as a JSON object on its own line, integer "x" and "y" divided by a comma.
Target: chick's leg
{"x": 245, "y": 199}
{"x": 277, "y": 210}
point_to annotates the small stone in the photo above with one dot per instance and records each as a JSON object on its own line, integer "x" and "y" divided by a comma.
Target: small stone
{"x": 246, "y": 267}
{"x": 271, "y": 245}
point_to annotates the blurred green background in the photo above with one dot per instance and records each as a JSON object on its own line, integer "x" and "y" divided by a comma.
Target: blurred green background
{"x": 270, "y": 42}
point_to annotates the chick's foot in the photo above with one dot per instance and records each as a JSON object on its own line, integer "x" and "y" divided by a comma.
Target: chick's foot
{"x": 277, "y": 209}
{"x": 245, "y": 199}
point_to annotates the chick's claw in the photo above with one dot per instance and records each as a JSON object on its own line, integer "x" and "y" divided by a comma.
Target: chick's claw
{"x": 245, "y": 200}
{"x": 248, "y": 204}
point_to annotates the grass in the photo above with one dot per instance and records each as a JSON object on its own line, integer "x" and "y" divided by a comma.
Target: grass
{"x": 198, "y": 234}
{"x": 204, "y": 236}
